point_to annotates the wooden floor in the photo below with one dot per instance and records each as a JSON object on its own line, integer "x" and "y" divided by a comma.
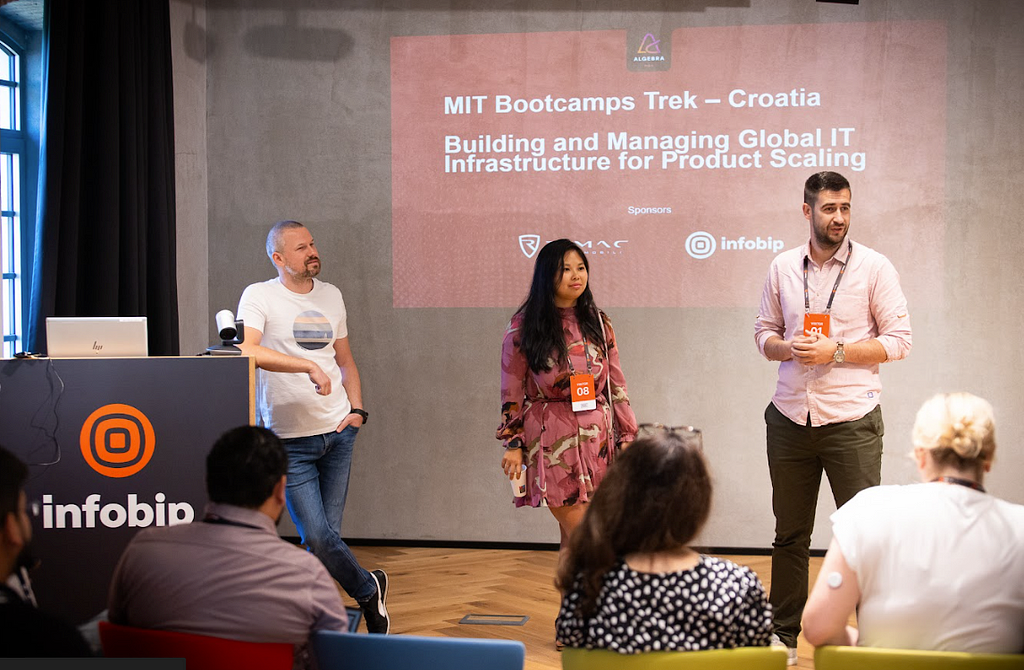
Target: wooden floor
{"x": 431, "y": 589}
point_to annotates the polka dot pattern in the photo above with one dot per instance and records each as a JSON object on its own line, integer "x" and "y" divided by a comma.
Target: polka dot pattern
{"x": 715, "y": 605}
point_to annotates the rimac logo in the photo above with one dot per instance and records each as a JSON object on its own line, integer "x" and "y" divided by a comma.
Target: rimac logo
{"x": 529, "y": 244}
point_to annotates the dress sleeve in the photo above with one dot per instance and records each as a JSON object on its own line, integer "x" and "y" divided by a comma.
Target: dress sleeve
{"x": 625, "y": 420}
{"x": 753, "y": 620}
{"x": 569, "y": 625}
{"x": 514, "y": 370}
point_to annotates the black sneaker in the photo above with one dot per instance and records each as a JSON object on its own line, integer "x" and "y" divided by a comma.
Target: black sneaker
{"x": 375, "y": 610}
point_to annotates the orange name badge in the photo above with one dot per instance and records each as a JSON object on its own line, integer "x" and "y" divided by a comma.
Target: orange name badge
{"x": 583, "y": 396}
{"x": 817, "y": 323}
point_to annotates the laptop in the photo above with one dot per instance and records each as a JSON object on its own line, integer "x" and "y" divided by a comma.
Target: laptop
{"x": 96, "y": 336}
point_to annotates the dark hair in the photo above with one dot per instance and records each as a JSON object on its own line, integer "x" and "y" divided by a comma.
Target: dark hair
{"x": 541, "y": 333}
{"x": 274, "y": 236}
{"x": 823, "y": 181}
{"x": 13, "y": 474}
{"x": 244, "y": 465}
{"x": 655, "y": 496}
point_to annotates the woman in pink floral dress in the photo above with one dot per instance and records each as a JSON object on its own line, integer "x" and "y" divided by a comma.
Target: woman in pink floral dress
{"x": 554, "y": 341}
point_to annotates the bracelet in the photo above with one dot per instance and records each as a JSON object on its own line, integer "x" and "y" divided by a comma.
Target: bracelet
{"x": 362, "y": 413}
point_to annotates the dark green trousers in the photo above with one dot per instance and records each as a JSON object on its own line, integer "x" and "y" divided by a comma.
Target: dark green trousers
{"x": 850, "y": 453}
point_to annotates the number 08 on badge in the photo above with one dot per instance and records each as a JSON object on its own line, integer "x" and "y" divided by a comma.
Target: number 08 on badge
{"x": 583, "y": 396}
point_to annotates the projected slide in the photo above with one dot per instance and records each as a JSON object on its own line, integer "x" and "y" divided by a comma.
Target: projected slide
{"x": 676, "y": 161}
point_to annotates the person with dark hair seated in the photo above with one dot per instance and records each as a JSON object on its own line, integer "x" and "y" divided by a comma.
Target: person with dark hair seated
{"x": 933, "y": 566}
{"x": 25, "y": 630}
{"x": 230, "y": 575}
{"x": 631, "y": 584}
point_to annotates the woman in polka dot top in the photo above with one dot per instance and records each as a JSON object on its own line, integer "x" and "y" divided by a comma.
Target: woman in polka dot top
{"x": 631, "y": 584}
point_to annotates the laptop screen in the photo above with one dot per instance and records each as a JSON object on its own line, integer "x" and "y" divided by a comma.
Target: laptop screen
{"x": 96, "y": 336}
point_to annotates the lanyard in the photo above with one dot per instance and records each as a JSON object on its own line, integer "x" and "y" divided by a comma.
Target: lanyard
{"x": 221, "y": 521}
{"x": 586, "y": 352}
{"x": 807, "y": 297}
{"x": 962, "y": 482}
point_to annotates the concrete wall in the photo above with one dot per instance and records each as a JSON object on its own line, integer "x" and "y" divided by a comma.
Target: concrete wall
{"x": 188, "y": 54}
{"x": 294, "y": 122}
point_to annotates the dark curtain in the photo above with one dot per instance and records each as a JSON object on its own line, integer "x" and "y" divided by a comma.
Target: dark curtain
{"x": 105, "y": 241}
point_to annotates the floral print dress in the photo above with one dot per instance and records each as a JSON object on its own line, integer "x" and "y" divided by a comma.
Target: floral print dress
{"x": 566, "y": 452}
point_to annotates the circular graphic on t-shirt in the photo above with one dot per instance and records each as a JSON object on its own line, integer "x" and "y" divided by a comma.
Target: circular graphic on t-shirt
{"x": 312, "y": 331}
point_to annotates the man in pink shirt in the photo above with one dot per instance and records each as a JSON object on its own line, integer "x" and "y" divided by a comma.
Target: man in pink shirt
{"x": 831, "y": 312}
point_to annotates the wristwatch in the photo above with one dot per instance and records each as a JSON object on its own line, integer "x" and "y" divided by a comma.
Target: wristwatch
{"x": 362, "y": 413}
{"x": 840, "y": 355}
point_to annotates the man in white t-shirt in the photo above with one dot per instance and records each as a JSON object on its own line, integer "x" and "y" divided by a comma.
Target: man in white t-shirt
{"x": 308, "y": 393}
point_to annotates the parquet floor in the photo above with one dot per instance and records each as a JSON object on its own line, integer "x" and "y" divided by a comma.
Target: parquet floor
{"x": 432, "y": 589}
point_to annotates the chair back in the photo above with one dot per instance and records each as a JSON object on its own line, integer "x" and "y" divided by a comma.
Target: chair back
{"x": 201, "y": 652}
{"x": 401, "y": 652}
{"x": 741, "y": 658}
{"x": 856, "y": 658}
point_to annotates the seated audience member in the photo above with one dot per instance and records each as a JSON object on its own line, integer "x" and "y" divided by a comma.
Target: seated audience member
{"x": 630, "y": 582}
{"x": 931, "y": 566}
{"x": 230, "y": 575}
{"x": 25, "y": 631}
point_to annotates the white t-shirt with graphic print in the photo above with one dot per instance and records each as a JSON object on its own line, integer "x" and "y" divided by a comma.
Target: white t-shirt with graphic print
{"x": 304, "y": 325}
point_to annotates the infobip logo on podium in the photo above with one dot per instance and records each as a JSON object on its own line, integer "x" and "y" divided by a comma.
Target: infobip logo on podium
{"x": 114, "y": 515}
{"x": 116, "y": 441}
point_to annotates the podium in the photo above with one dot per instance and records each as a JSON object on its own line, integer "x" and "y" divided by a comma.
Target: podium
{"x": 114, "y": 446}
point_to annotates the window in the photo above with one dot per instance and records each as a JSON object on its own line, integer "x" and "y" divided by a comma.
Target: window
{"x": 11, "y": 166}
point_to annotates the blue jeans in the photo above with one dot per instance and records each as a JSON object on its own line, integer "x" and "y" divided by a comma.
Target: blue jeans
{"x": 318, "y": 472}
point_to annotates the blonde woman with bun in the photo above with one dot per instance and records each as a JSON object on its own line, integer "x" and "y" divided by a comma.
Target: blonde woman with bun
{"x": 934, "y": 566}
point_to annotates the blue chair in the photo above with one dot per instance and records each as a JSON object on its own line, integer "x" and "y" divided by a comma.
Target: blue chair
{"x": 336, "y": 651}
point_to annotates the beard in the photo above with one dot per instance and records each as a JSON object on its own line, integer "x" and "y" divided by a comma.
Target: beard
{"x": 310, "y": 269}
{"x": 821, "y": 236}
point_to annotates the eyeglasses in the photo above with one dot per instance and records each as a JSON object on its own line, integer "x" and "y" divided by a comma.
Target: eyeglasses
{"x": 653, "y": 429}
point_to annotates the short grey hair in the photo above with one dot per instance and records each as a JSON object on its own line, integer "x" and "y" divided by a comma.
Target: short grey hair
{"x": 274, "y": 236}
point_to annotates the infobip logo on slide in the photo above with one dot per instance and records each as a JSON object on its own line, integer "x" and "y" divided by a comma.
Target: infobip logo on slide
{"x": 701, "y": 244}
{"x": 116, "y": 441}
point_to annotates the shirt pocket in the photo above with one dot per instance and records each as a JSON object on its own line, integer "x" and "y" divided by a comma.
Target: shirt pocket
{"x": 851, "y": 317}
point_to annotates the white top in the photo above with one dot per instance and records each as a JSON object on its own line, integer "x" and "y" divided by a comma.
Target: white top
{"x": 940, "y": 567}
{"x": 304, "y": 325}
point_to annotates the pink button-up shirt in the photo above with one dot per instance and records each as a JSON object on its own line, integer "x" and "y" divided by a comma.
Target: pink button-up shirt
{"x": 869, "y": 304}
